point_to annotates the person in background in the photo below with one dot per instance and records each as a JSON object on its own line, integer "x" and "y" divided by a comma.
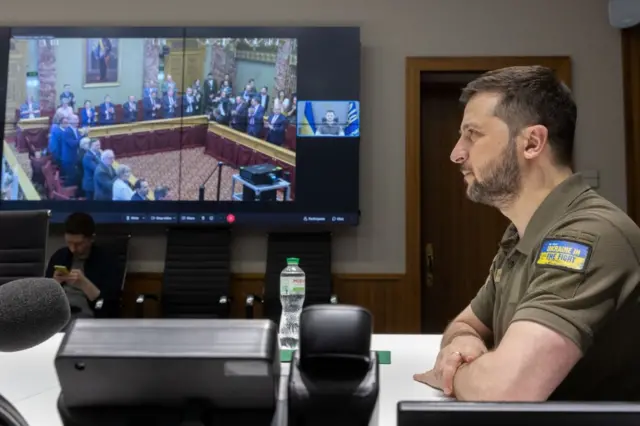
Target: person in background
{"x": 141, "y": 190}
{"x": 30, "y": 109}
{"x": 256, "y": 118}
{"x": 92, "y": 273}
{"x": 189, "y": 104}
{"x": 226, "y": 84}
{"x": 56, "y": 135}
{"x": 104, "y": 177}
{"x": 107, "y": 114}
{"x": 65, "y": 108}
{"x": 292, "y": 112}
{"x": 276, "y": 125}
{"x": 69, "y": 96}
{"x": 210, "y": 86}
{"x": 226, "y": 89}
{"x": 330, "y": 125}
{"x": 263, "y": 98}
{"x": 161, "y": 193}
{"x": 121, "y": 187}
{"x": 281, "y": 102}
{"x": 90, "y": 162}
{"x": 130, "y": 110}
{"x": 69, "y": 152}
{"x": 83, "y": 148}
{"x": 557, "y": 315}
{"x": 87, "y": 115}
{"x": 168, "y": 85}
{"x": 151, "y": 105}
{"x": 170, "y": 103}
{"x": 240, "y": 114}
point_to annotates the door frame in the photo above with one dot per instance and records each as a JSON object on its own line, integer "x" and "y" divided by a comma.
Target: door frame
{"x": 415, "y": 66}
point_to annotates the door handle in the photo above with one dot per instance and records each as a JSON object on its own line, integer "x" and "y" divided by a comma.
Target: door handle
{"x": 428, "y": 253}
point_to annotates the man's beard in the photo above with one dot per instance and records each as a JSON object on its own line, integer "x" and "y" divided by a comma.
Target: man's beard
{"x": 501, "y": 181}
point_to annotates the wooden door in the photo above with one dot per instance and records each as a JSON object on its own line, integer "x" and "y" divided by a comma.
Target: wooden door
{"x": 459, "y": 238}
{"x": 185, "y": 62}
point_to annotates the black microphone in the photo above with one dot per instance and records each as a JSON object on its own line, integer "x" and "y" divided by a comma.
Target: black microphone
{"x": 201, "y": 189}
{"x": 31, "y": 311}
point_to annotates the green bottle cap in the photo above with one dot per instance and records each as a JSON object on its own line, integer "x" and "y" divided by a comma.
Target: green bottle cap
{"x": 293, "y": 261}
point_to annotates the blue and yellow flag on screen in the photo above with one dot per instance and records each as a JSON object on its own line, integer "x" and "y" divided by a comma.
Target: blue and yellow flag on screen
{"x": 353, "y": 120}
{"x": 307, "y": 123}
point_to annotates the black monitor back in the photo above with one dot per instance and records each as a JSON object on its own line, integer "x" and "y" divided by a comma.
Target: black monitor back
{"x": 453, "y": 413}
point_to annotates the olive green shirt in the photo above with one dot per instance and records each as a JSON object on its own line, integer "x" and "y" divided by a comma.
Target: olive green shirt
{"x": 576, "y": 271}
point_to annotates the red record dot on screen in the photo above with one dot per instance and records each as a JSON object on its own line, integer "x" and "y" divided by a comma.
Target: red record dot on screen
{"x": 231, "y": 218}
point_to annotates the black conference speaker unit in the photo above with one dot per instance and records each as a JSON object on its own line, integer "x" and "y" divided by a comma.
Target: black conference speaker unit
{"x": 169, "y": 372}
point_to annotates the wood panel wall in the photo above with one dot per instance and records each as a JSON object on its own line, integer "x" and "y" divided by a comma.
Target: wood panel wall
{"x": 382, "y": 294}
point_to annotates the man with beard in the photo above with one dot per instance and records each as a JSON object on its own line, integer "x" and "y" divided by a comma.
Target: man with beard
{"x": 557, "y": 316}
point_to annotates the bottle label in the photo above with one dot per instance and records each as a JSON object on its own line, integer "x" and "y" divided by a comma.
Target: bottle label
{"x": 292, "y": 286}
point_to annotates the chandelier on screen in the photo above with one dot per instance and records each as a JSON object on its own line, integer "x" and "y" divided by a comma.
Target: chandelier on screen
{"x": 251, "y": 42}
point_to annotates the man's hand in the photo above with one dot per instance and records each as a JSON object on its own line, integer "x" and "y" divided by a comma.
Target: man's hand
{"x": 463, "y": 349}
{"x": 60, "y": 277}
{"x": 76, "y": 278}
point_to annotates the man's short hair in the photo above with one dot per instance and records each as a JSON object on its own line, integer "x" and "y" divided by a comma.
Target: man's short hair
{"x": 139, "y": 183}
{"x": 532, "y": 95}
{"x": 80, "y": 223}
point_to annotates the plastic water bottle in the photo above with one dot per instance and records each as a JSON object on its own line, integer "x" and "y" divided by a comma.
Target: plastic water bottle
{"x": 292, "y": 289}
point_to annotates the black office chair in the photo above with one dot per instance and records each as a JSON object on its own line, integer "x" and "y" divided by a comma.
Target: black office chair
{"x": 197, "y": 275}
{"x": 314, "y": 252}
{"x": 117, "y": 245}
{"x": 23, "y": 244}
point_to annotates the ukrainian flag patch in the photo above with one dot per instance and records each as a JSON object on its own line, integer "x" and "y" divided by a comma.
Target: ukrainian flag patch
{"x": 564, "y": 254}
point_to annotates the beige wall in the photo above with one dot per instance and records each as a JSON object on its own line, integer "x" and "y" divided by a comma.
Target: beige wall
{"x": 392, "y": 30}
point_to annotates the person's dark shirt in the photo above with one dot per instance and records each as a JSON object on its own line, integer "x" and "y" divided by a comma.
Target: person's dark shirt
{"x": 102, "y": 269}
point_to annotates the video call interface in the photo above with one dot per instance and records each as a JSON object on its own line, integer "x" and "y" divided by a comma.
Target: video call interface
{"x": 170, "y": 119}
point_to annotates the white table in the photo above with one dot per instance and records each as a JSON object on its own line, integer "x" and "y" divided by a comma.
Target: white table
{"x": 28, "y": 379}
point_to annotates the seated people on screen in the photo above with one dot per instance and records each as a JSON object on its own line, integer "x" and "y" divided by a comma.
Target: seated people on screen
{"x": 104, "y": 176}
{"x": 151, "y": 105}
{"x": 130, "y": 110}
{"x": 86, "y": 271}
{"x": 30, "y": 109}
{"x": 88, "y": 115}
{"x": 122, "y": 190}
{"x": 330, "y": 125}
{"x": 68, "y": 95}
{"x": 276, "y": 125}
{"x": 107, "y": 114}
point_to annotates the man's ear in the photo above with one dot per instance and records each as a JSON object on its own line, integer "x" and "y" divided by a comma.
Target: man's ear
{"x": 535, "y": 140}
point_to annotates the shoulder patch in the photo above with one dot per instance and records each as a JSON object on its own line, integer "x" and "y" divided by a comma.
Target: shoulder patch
{"x": 564, "y": 254}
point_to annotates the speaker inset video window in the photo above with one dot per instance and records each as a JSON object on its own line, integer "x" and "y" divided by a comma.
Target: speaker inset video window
{"x": 329, "y": 119}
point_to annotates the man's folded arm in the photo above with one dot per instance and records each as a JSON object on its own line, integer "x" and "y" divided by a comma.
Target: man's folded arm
{"x": 553, "y": 325}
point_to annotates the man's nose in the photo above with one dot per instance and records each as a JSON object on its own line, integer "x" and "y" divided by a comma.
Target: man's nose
{"x": 459, "y": 154}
